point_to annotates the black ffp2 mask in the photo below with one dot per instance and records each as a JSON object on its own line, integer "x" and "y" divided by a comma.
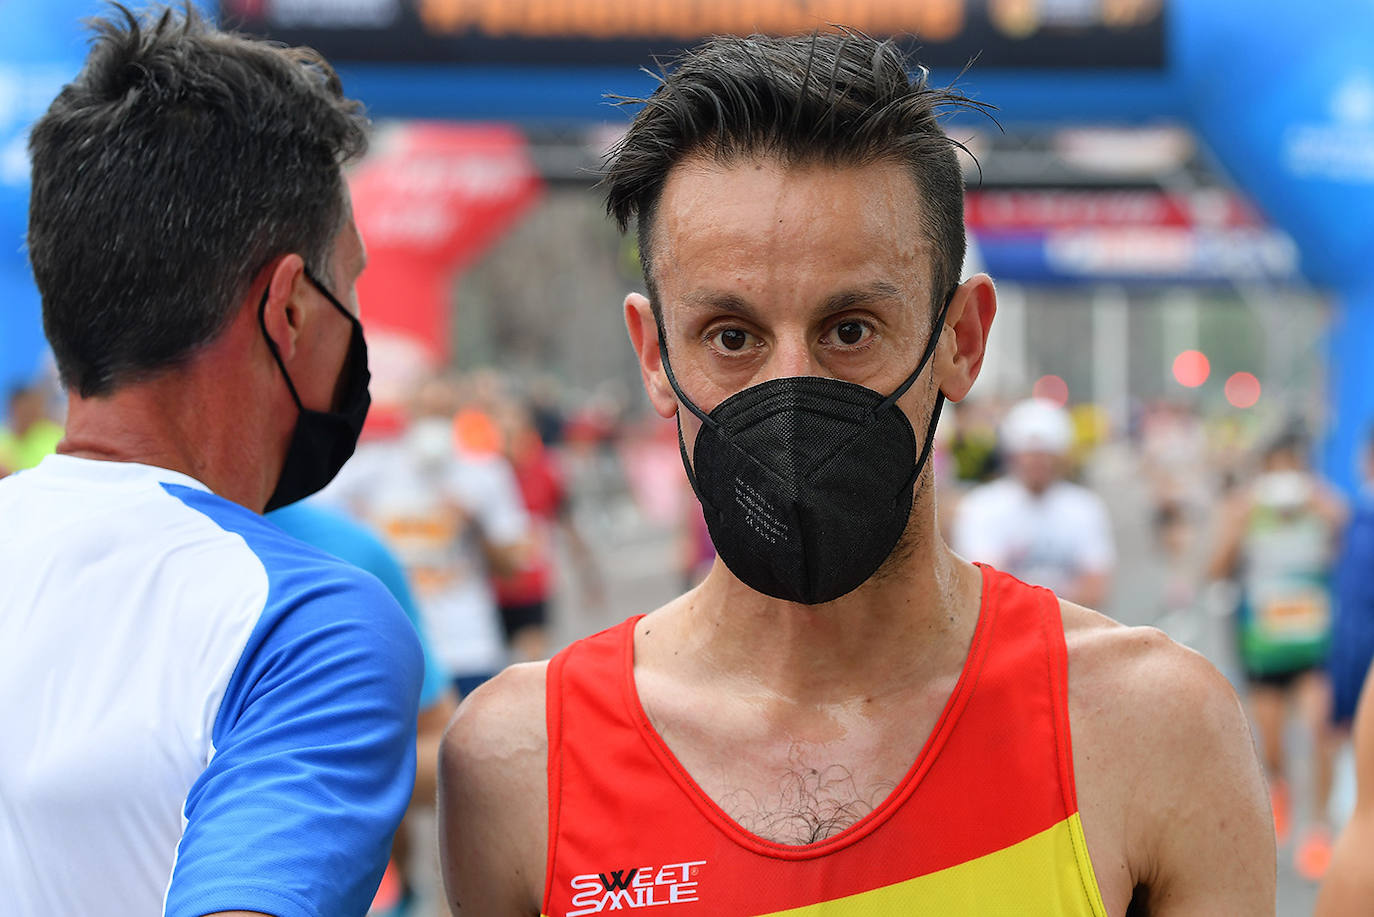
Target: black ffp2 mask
{"x": 322, "y": 440}
{"x": 806, "y": 482}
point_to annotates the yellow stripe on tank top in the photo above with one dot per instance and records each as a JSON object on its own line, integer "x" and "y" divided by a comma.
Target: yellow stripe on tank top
{"x": 1010, "y": 881}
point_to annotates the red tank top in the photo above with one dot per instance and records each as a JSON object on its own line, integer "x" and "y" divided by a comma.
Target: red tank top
{"x": 984, "y": 822}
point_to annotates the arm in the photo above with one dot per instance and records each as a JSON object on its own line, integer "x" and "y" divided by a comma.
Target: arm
{"x": 493, "y": 797}
{"x": 584, "y": 559}
{"x": 313, "y": 762}
{"x": 1204, "y": 838}
{"x": 1089, "y": 589}
{"x": 489, "y": 494}
{"x": 1171, "y": 795}
{"x": 1349, "y": 885}
{"x": 504, "y": 558}
{"x": 1226, "y": 554}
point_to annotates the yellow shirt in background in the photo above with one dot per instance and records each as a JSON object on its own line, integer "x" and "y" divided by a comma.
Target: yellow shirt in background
{"x": 18, "y": 452}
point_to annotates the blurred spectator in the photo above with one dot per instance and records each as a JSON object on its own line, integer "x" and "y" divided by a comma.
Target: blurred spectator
{"x": 453, "y": 518}
{"x": 1174, "y": 455}
{"x": 1180, "y": 479}
{"x": 1032, "y": 523}
{"x": 1352, "y": 645}
{"x": 544, "y": 406}
{"x": 1277, "y": 540}
{"x": 524, "y": 594}
{"x": 30, "y": 435}
{"x": 973, "y": 445}
{"x": 337, "y": 534}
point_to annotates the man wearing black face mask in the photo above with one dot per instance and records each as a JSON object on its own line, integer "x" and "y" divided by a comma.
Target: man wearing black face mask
{"x": 845, "y": 717}
{"x": 202, "y": 715}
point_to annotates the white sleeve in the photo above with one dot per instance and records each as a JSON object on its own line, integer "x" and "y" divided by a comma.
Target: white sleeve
{"x": 1096, "y": 547}
{"x": 491, "y": 494}
{"x": 976, "y": 533}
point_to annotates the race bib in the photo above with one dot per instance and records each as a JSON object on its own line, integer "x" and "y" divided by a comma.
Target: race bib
{"x": 1303, "y": 615}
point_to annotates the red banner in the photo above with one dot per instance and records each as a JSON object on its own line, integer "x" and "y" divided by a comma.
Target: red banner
{"x": 429, "y": 199}
{"x": 1016, "y": 210}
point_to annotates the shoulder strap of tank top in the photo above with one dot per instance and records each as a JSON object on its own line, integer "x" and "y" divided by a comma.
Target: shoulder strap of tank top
{"x": 584, "y": 675}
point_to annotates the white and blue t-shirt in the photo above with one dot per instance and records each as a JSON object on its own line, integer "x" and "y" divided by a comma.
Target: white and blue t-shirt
{"x": 199, "y": 712}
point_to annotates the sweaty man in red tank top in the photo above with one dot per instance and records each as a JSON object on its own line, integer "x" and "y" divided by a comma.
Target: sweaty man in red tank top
{"x": 845, "y": 718}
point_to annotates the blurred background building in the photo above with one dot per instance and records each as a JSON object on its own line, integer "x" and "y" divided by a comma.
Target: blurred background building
{"x": 1175, "y": 201}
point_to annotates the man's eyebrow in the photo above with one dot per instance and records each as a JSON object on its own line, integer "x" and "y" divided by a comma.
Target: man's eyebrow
{"x": 848, "y": 299}
{"x": 734, "y": 304}
{"x": 719, "y": 301}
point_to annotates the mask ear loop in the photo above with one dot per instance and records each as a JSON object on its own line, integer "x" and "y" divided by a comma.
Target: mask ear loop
{"x": 272, "y": 346}
{"x": 357, "y": 347}
{"x": 672, "y": 379}
{"x": 891, "y": 400}
{"x": 691, "y": 406}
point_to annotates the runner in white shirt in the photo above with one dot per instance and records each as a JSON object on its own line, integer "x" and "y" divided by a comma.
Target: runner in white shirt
{"x": 1034, "y": 524}
{"x": 201, "y": 714}
{"x": 449, "y": 516}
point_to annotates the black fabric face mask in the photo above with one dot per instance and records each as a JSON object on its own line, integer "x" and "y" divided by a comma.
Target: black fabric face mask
{"x": 322, "y": 440}
{"x": 806, "y": 482}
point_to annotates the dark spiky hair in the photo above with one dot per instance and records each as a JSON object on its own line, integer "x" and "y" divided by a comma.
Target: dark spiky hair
{"x": 839, "y": 98}
{"x": 179, "y": 162}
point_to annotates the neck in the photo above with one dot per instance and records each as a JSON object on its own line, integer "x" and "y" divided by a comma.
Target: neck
{"x": 911, "y": 622}
{"x": 192, "y": 420}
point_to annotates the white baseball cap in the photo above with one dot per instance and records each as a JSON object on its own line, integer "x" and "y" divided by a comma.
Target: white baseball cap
{"x": 1036, "y": 425}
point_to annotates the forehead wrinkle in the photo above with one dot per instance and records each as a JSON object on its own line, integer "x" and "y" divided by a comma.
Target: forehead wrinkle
{"x": 772, "y": 234}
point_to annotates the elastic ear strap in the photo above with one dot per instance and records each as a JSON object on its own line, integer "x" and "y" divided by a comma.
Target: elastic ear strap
{"x": 272, "y": 346}
{"x": 925, "y": 357}
{"x": 687, "y": 465}
{"x": 672, "y": 379}
{"x": 930, "y": 438}
{"x": 333, "y": 301}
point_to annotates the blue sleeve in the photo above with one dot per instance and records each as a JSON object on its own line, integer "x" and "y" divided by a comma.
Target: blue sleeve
{"x": 348, "y": 539}
{"x": 388, "y": 569}
{"x": 314, "y": 756}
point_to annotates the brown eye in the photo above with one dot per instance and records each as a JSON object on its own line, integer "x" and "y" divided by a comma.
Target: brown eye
{"x": 850, "y": 332}
{"x": 733, "y": 339}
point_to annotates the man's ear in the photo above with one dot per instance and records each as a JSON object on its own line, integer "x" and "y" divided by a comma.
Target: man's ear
{"x": 283, "y": 316}
{"x": 964, "y": 339}
{"x": 639, "y": 321}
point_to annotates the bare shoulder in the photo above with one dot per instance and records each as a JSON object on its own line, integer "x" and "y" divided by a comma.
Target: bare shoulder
{"x": 1171, "y": 792}
{"x": 493, "y": 795}
{"x": 503, "y": 717}
{"x": 1160, "y": 708}
{"x": 496, "y": 745}
{"x": 1143, "y": 668}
